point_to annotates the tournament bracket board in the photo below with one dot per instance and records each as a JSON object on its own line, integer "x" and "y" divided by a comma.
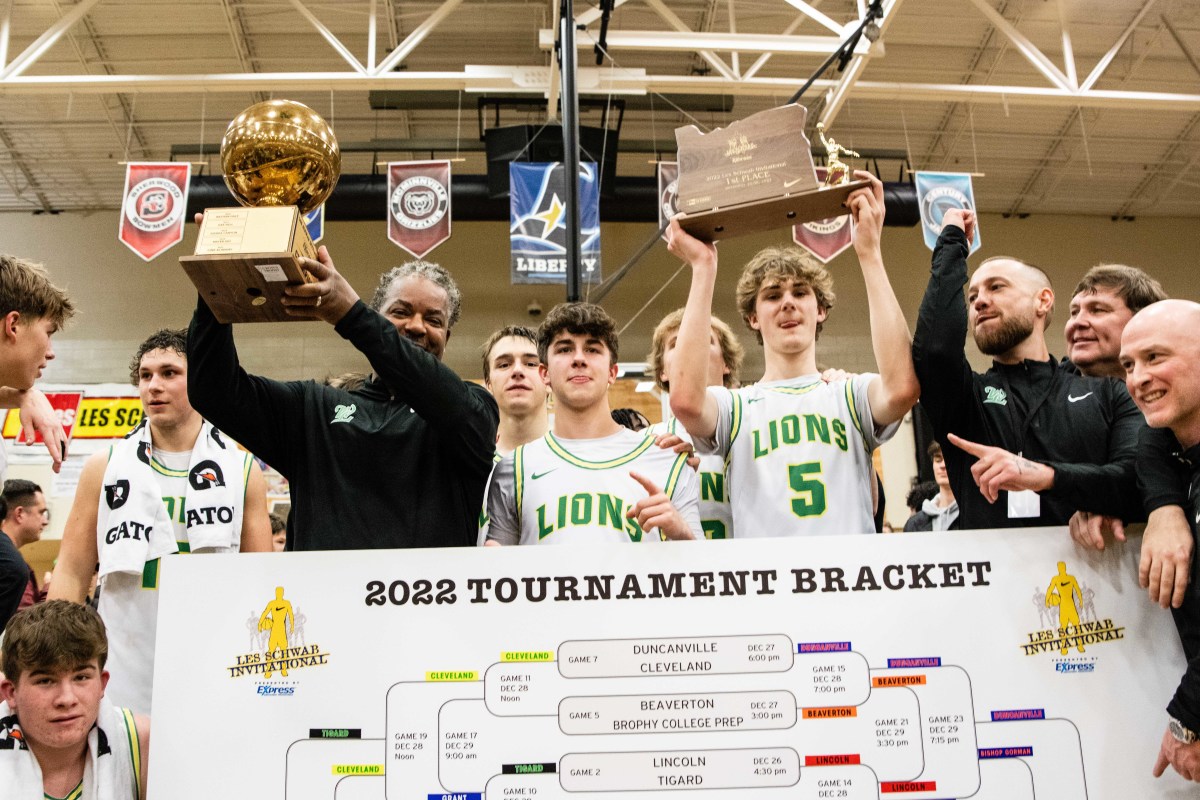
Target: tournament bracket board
{"x": 914, "y": 666}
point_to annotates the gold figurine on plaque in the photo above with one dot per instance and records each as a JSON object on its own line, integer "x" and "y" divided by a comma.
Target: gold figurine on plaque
{"x": 836, "y": 170}
{"x": 757, "y": 174}
{"x": 280, "y": 160}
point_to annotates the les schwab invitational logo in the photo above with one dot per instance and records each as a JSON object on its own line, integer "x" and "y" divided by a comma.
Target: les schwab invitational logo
{"x": 1069, "y": 623}
{"x": 277, "y": 645}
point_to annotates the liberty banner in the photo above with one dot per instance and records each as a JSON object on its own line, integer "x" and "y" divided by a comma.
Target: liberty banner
{"x": 418, "y": 205}
{"x": 937, "y": 193}
{"x": 538, "y": 227}
{"x": 825, "y": 238}
{"x": 994, "y": 665}
{"x": 153, "y": 206}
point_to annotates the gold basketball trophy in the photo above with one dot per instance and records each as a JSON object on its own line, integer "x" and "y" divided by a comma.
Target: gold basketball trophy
{"x": 757, "y": 175}
{"x": 280, "y": 160}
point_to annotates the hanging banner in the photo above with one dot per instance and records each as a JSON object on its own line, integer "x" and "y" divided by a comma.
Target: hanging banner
{"x": 825, "y": 238}
{"x": 418, "y": 205}
{"x": 668, "y": 192}
{"x": 153, "y": 205}
{"x": 314, "y": 221}
{"x": 937, "y": 193}
{"x": 537, "y": 222}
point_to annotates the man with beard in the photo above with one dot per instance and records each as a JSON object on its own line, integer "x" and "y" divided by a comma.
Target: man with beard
{"x": 1025, "y": 443}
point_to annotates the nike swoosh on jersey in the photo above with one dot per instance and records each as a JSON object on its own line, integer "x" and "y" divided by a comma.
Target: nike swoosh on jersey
{"x": 754, "y": 400}
{"x": 1071, "y": 399}
{"x": 537, "y": 475}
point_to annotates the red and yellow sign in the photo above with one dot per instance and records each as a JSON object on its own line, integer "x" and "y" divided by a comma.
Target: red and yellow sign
{"x": 97, "y": 418}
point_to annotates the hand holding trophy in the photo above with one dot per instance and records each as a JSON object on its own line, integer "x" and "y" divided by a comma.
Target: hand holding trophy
{"x": 757, "y": 174}
{"x": 280, "y": 160}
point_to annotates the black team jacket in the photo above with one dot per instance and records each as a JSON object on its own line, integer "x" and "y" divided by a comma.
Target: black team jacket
{"x": 401, "y": 462}
{"x": 1085, "y": 428}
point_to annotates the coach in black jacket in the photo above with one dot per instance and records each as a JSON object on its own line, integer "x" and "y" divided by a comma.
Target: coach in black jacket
{"x": 401, "y": 462}
{"x": 1024, "y": 424}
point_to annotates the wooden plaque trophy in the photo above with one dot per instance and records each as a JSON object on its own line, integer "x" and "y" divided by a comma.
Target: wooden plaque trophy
{"x": 280, "y": 160}
{"x": 756, "y": 175}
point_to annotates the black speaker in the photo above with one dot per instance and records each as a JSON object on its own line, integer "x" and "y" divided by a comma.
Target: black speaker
{"x": 545, "y": 143}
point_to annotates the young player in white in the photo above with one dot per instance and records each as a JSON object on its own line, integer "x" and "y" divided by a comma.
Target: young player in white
{"x": 797, "y": 449}
{"x": 724, "y": 361}
{"x": 174, "y": 484}
{"x": 589, "y": 479}
{"x": 511, "y": 373}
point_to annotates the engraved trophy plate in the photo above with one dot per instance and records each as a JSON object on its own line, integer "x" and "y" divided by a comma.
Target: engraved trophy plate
{"x": 280, "y": 160}
{"x": 755, "y": 175}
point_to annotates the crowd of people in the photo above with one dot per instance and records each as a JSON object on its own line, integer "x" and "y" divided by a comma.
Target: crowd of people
{"x": 414, "y": 455}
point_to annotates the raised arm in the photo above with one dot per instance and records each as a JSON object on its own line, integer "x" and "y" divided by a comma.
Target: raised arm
{"x": 896, "y": 389}
{"x": 938, "y": 350}
{"x": 78, "y": 555}
{"x": 257, "y": 412}
{"x": 690, "y": 401}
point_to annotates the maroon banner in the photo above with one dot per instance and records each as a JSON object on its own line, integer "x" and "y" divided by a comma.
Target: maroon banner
{"x": 825, "y": 238}
{"x": 418, "y": 205}
{"x": 153, "y": 205}
{"x": 668, "y": 192}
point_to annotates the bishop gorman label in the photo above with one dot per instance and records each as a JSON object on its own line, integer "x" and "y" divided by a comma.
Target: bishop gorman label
{"x": 418, "y": 205}
{"x": 153, "y": 207}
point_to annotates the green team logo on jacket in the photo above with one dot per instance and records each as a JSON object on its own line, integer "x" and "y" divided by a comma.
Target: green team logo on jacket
{"x": 995, "y": 395}
{"x": 794, "y": 428}
{"x": 343, "y": 413}
{"x": 581, "y": 509}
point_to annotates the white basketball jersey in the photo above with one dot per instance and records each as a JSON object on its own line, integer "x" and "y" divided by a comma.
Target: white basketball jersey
{"x": 567, "y": 491}
{"x": 716, "y": 515}
{"x": 798, "y": 456}
{"x": 129, "y": 602}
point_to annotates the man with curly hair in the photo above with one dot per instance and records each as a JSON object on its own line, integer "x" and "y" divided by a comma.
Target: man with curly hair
{"x": 798, "y": 449}
{"x": 175, "y": 484}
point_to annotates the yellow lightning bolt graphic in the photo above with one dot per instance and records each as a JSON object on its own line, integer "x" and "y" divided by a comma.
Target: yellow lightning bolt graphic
{"x": 551, "y": 216}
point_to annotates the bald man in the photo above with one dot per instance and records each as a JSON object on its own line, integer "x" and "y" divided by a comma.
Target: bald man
{"x": 1161, "y": 355}
{"x": 1025, "y": 443}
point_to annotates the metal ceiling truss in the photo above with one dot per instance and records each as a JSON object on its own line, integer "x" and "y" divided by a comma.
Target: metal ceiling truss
{"x": 1062, "y": 86}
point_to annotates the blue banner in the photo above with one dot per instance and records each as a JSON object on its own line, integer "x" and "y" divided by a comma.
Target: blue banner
{"x": 937, "y": 193}
{"x": 537, "y": 222}
{"x": 315, "y": 222}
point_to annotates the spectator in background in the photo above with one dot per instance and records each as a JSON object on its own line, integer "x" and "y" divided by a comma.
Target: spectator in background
{"x": 630, "y": 418}
{"x": 278, "y": 532}
{"x": 25, "y": 517}
{"x": 915, "y": 499}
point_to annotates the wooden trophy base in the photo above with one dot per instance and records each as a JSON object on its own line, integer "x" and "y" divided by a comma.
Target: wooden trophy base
{"x": 245, "y": 258}
{"x": 756, "y": 216}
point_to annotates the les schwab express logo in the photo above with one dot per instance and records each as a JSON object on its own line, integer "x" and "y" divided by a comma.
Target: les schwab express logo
{"x": 1067, "y": 613}
{"x": 277, "y": 645}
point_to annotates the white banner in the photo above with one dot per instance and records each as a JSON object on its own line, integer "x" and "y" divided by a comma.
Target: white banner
{"x": 995, "y": 665}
